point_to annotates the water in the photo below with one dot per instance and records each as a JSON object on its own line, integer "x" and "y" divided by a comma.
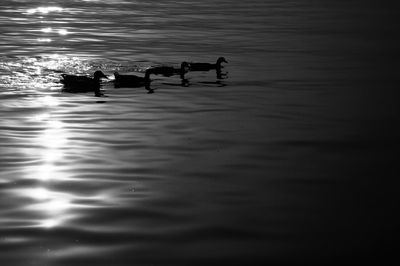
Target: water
{"x": 287, "y": 160}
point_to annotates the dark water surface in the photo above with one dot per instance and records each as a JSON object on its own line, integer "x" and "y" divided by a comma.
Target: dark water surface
{"x": 288, "y": 160}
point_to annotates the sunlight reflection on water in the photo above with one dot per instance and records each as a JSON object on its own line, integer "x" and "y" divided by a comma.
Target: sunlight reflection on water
{"x": 47, "y": 40}
{"x": 44, "y": 10}
{"x": 41, "y": 73}
{"x": 52, "y": 205}
{"x": 49, "y": 207}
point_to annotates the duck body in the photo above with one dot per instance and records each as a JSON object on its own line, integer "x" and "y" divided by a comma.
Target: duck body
{"x": 76, "y": 84}
{"x": 208, "y": 66}
{"x": 129, "y": 80}
{"x": 168, "y": 71}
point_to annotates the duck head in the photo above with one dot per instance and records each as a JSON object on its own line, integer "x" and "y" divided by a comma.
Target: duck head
{"x": 98, "y": 75}
{"x": 185, "y": 67}
{"x": 221, "y": 60}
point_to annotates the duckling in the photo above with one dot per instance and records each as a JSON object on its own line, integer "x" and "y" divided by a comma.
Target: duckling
{"x": 74, "y": 83}
{"x": 168, "y": 71}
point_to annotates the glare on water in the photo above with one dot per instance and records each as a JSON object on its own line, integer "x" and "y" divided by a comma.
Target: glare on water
{"x": 44, "y": 10}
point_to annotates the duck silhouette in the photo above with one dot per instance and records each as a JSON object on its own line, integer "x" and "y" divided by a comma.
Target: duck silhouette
{"x": 209, "y": 66}
{"x": 75, "y": 83}
{"x": 129, "y": 80}
{"x": 132, "y": 81}
{"x": 168, "y": 71}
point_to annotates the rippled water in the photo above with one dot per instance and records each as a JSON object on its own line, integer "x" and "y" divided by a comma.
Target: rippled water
{"x": 288, "y": 159}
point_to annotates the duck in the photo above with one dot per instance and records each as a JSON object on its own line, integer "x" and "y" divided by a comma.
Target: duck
{"x": 168, "y": 71}
{"x": 130, "y": 80}
{"x": 208, "y": 66}
{"x": 75, "y": 83}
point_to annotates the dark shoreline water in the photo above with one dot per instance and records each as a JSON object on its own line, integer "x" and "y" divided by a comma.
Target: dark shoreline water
{"x": 289, "y": 160}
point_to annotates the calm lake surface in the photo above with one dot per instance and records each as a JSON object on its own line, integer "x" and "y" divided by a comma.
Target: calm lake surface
{"x": 287, "y": 160}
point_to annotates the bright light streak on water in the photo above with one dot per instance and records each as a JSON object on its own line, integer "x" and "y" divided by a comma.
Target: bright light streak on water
{"x": 46, "y": 30}
{"x": 63, "y": 32}
{"x": 44, "y": 40}
{"x": 44, "y": 10}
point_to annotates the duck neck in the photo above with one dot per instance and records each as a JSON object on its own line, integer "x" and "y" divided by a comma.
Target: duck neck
{"x": 147, "y": 74}
{"x": 218, "y": 65}
{"x": 97, "y": 79}
{"x": 183, "y": 70}
{"x": 97, "y": 92}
